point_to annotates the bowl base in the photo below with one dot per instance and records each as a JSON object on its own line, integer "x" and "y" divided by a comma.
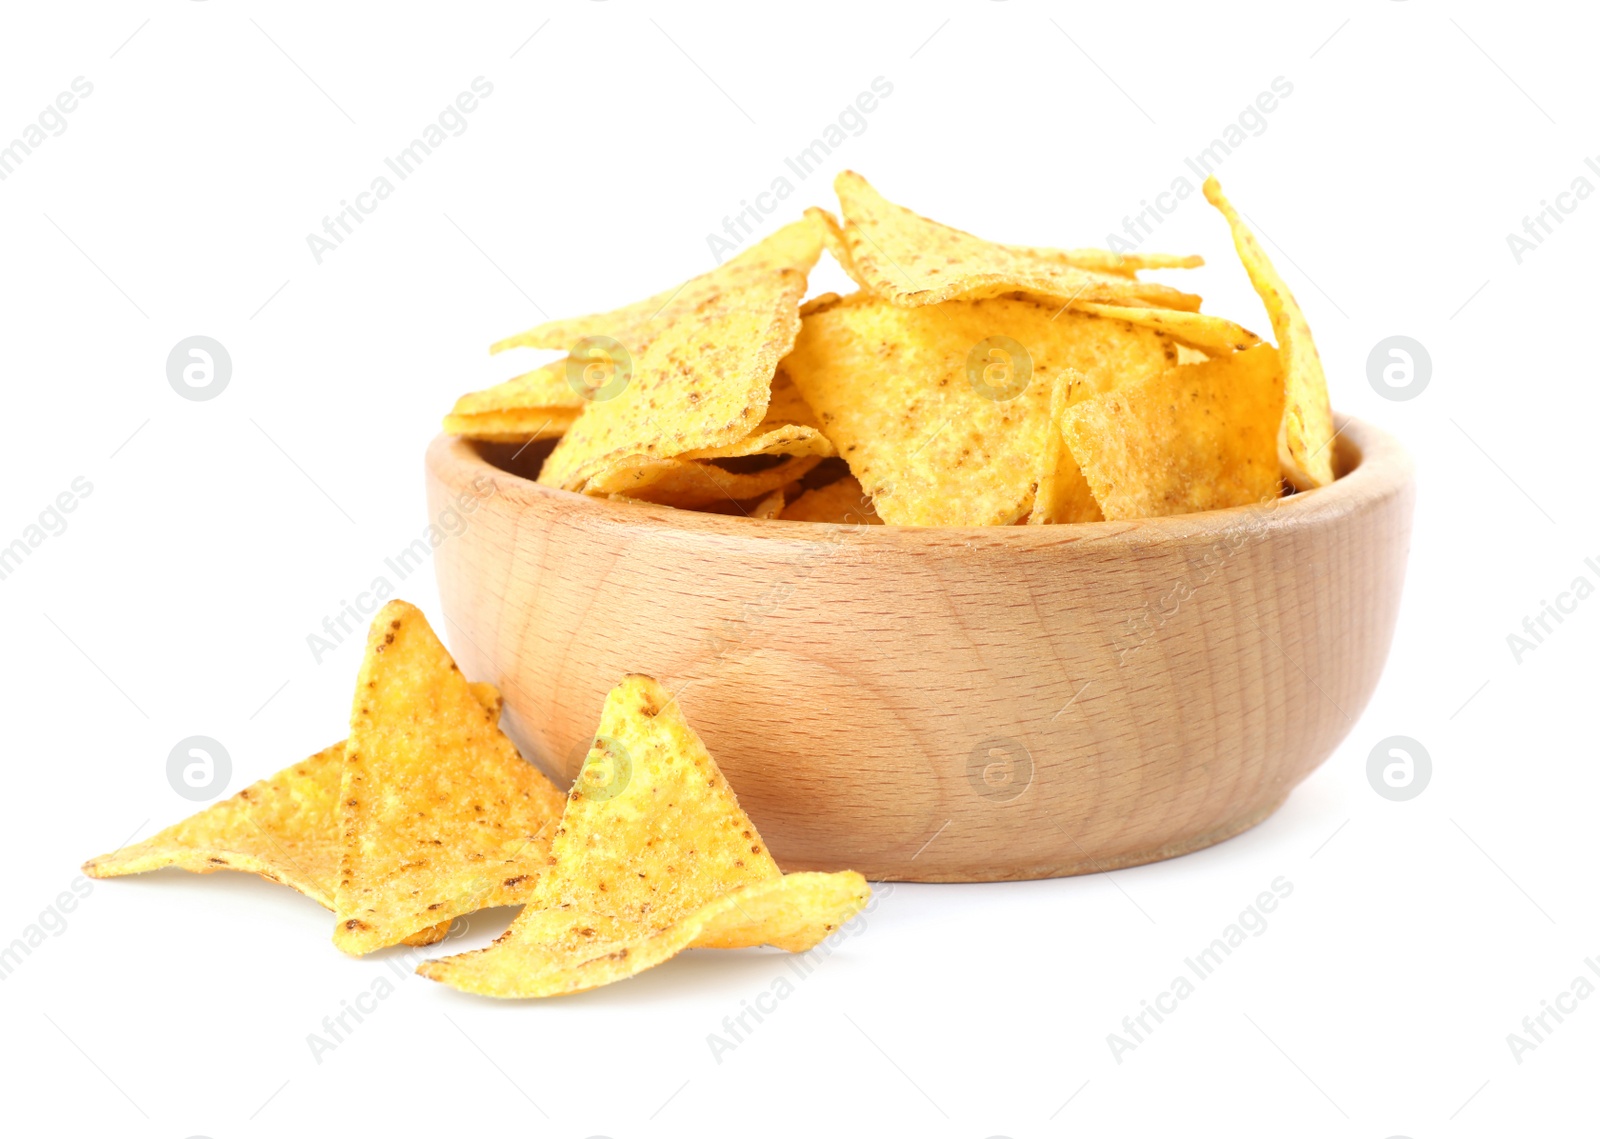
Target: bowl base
{"x": 1068, "y": 869}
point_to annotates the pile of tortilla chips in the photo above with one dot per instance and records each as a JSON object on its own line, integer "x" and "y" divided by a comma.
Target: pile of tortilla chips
{"x": 966, "y": 383}
{"x": 426, "y": 813}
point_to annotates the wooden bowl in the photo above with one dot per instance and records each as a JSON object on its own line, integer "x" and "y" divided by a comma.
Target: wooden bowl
{"x": 944, "y": 705}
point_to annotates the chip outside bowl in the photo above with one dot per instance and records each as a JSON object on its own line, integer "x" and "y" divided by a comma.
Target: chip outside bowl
{"x": 944, "y": 704}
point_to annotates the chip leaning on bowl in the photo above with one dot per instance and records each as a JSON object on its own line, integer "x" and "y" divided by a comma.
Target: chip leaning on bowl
{"x": 966, "y": 383}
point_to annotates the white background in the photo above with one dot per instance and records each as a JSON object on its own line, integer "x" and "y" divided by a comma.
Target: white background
{"x": 218, "y": 534}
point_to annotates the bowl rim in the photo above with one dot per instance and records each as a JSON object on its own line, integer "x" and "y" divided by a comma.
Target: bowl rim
{"x": 1376, "y": 467}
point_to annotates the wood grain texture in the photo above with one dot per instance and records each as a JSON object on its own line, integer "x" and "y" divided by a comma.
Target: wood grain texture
{"x": 946, "y": 704}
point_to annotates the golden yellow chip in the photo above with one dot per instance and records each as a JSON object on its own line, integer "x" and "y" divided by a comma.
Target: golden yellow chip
{"x": 553, "y": 952}
{"x": 540, "y": 404}
{"x": 1196, "y": 437}
{"x": 1064, "y": 495}
{"x": 942, "y": 411}
{"x": 912, "y": 260}
{"x": 438, "y": 814}
{"x": 1210, "y": 334}
{"x": 842, "y": 502}
{"x": 704, "y": 378}
{"x": 789, "y": 427}
{"x": 653, "y": 855}
{"x": 1305, "y": 444}
{"x": 691, "y": 481}
{"x": 691, "y": 484}
{"x": 284, "y": 828}
{"x": 795, "y": 246}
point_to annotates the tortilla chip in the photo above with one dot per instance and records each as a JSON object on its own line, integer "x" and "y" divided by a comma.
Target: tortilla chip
{"x": 795, "y": 246}
{"x": 1305, "y": 444}
{"x": 694, "y": 483}
{"x": 841, "y": 502}
{"x": 438, "y": 814}
{"x": 1210, "y": 334}
{"x": 789, "y": 427}
{"x": 1064, "y": 495}
{"x": 904, "y": 395}
{"x": 703, "y": 383}
{"x": 1196, "y": 437}
{"x": 912, "y": 260}
{"x": 540, "y": 404}
{"x": 689, "y": 481}
{"x": 553, "y": 952}
{"x": 284, "y": 828}
{"x": 653, "y": 855}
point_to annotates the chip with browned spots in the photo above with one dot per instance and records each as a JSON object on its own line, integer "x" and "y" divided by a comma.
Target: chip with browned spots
{"x": 912, "y": 260}
{"x": 1196, "y": 437}
{"x": 941, "y": 386}
{"x": 700, "y": 385}
{"x": 712, "y": 476}
{"x": 689, "y": 370}
{"x": 284, "y": 828}
{"x": 795, "y": 246}
{"x": 438, "y": 814}
{"x": 653, "y": 856}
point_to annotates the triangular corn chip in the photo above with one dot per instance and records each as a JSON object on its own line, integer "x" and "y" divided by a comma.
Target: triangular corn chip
{"x": 439, "y": 816}
{"x": 704, "y": 377}
{"x": 284, "y": 828}
{"x": 1196, "y": 437}
{"x": 653, "y": 855}
{"x": 1305, "y": 444}
{"x": 912, "y": 260}
{"x": 540, "y": 404}
{"x": 548, "y": 953}
{"x": 691, "y": 481}
{"x": 841, "y": 502}
{"x": 690, "y": 484}
{"x": 789, "y": 427}
{"x": 795, "y": 246}
{"x": 1064, "y": 495}
{"x": 905, "y": 395}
